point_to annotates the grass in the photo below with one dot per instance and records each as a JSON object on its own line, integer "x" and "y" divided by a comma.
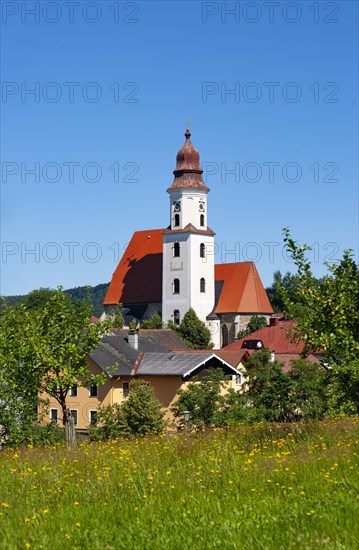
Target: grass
{"x": 263, "y": 486}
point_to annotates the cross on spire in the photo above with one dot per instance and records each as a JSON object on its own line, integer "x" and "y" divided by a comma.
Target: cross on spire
{"x": 188, "y": 122}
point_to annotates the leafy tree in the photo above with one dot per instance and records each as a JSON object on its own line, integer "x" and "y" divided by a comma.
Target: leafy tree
{"x": 142, "y": 409}
{"x": 193, "y": 331}
{"x": 256, "y": 322}
{"x": 140, "y": 414}
{"x": 65, "y": 337}
{"x": 111, "y": 423}
{"x": 154, "y": 323}
{"x": 18, "y": 388}
{"x": 331, "y": 321}
{"x": 269, "y": 390}
{"x": 203, "y": 399}
{"x": 115, "y": 317}
{"x": 309, "y": 388}
{"x": 37, "y": 299}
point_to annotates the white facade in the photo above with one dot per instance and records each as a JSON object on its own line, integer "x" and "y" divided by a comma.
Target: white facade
{"x": 188, "y": 258}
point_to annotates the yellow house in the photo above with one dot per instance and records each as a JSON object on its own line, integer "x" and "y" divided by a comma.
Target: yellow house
{"x": 157, "y": 356}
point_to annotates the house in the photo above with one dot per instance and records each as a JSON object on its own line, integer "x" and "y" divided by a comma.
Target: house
{"x": 274, "y": 337}
{"x": 158, "y": 357}
{"x": 171, "y": 269}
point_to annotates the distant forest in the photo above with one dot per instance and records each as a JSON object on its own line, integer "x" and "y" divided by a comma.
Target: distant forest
{"x": 96, "y": 294}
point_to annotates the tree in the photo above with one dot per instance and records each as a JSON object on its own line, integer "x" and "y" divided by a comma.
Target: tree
{"x": 18, "y": 387}
{"x": 140, "y": 414}
{"x": 65, "y": 337}
{"x": 331, "y": 321}
{"x": 193, "y": 331}
{"x": 37, "y": 299}
{"x": 203, "y": 399}
{"x": 309, "y": 388}
{"x": 142, "y": 409}
{"x": 256, "y": 322}
{"x": 115, "y": 317}
{"x": 154, "y": 323}
{"x": 269, "y": 390}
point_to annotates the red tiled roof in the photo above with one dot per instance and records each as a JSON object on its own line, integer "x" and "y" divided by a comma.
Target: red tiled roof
{"x": 242, "y": 290}
{"x": 138, "y": 276}
{"x": 274, "y": 338}
{"x": 94, "y": 319}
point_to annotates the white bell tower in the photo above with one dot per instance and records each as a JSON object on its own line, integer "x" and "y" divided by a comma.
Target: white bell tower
{"x": 188, "y": 243}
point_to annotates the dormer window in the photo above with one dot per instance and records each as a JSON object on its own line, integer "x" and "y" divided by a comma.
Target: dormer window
{"x": 201, "y": 220}
{"x": 176, "y": 220}
{"x": 176, "y": 250}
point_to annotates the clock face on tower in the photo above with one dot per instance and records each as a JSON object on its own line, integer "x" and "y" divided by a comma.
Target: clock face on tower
{"x": 201, "y": 206}
{"x": 177, "y": 206}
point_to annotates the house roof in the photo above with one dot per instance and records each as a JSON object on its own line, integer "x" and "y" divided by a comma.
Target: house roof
{"x": 238, "y": 286}
{"x": 178, "y": 363}
{"x": 130, "y": 281}
{"x": 114, "y": 349}
{"x": 242, "y": 289}
{"x": 274, "y": 337}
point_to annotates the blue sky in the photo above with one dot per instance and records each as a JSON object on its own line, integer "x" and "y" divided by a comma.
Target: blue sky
{"x": 114, "y": 82}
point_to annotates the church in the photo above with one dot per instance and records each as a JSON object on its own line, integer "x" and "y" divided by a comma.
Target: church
{"x": 172, "y": 269}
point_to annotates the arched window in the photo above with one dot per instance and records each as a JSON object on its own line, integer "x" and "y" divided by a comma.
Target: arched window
{"x": 176, "y": 250}
{"x": 201, "y": 220}
{"x": 224, "y": 335}
{"x": 176, "y": 220}
{"x": 202, "y": 285}
{"x": 176, "y": 317}
{"x": 176, "y": 286}
{"x": 202, "y": 251}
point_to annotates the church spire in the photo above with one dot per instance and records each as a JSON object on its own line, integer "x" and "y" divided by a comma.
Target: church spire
{"x": 188, "y": 171}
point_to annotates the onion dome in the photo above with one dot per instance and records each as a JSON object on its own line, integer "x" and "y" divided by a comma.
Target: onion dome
{"x": 188, "y": 172}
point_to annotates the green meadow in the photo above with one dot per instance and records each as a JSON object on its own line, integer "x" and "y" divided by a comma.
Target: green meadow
{"x": 261, "y": 486}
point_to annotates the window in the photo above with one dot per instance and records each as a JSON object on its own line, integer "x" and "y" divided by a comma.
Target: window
{"x": 73, "y": 414}
{"x": 125, "y": 389}
{"x": 53, "y": 415}
{"x": 201, "y": 220}
{"x": 176, "y": 286}
{"x": 176, "y": 220}
{"x": 93, "y": 391}
{"x": 73, "y": 391}
{"x": 54, "y": 388}
{"x": 202, "y": 251}
{"x": 176, "y": 250}
{"x": 176, "y": 317}
{"x": 202, "y": 285}
{"x": 238, "y": 379}
{"x": 93, "y": 418}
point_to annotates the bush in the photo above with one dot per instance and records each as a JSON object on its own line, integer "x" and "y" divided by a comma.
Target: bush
{"x": 140, "y": 414}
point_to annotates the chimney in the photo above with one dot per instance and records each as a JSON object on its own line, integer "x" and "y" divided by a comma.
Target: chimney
{"x": 273, "y": 321}
{"x": 133, "y": 338}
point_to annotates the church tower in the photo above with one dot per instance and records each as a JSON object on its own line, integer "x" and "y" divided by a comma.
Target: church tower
{"x": 188, "y": 243}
